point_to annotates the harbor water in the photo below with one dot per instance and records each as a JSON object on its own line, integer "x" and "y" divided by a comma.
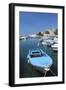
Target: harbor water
{"x": 26, "y": 69}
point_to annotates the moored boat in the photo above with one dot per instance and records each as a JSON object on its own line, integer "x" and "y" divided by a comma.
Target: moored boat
{"x": 23, "y": 38}
{"x": 55, "y": 47}
{"x": 39, "y": 59}
{"x": 48, "y": 42}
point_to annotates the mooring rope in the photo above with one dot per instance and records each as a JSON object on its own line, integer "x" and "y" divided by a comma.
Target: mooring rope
{"x": 50, "y": 71}
{"x": 45, "y": 73}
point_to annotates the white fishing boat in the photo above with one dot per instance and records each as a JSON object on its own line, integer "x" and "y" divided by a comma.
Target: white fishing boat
{"x": 23, "y": 38}
{"x": 55, "y": 47}
{"x": 39, "y": 59}
{"x": 56, "y": 40}
{"x": 48, "y": 42}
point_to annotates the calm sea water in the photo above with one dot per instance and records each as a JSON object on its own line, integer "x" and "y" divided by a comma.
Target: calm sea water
{"x": 26, "y": 69}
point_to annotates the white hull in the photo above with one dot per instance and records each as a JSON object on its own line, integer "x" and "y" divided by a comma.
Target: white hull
{"x": 55, "y": 47}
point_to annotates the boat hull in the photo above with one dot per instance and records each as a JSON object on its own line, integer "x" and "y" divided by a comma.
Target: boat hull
{"x": 41, "y": 69}
{"x": 55, "y": 47}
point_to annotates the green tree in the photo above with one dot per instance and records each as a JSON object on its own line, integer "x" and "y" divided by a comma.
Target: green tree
{"x": 47, "y": 32}
{"x": 40, "y": 34}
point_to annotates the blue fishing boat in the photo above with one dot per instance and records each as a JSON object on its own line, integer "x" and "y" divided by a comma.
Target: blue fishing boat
{"x": 39, "y": 59}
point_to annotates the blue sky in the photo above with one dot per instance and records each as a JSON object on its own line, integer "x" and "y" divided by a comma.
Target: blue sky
{"x": 32, "y": 22}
